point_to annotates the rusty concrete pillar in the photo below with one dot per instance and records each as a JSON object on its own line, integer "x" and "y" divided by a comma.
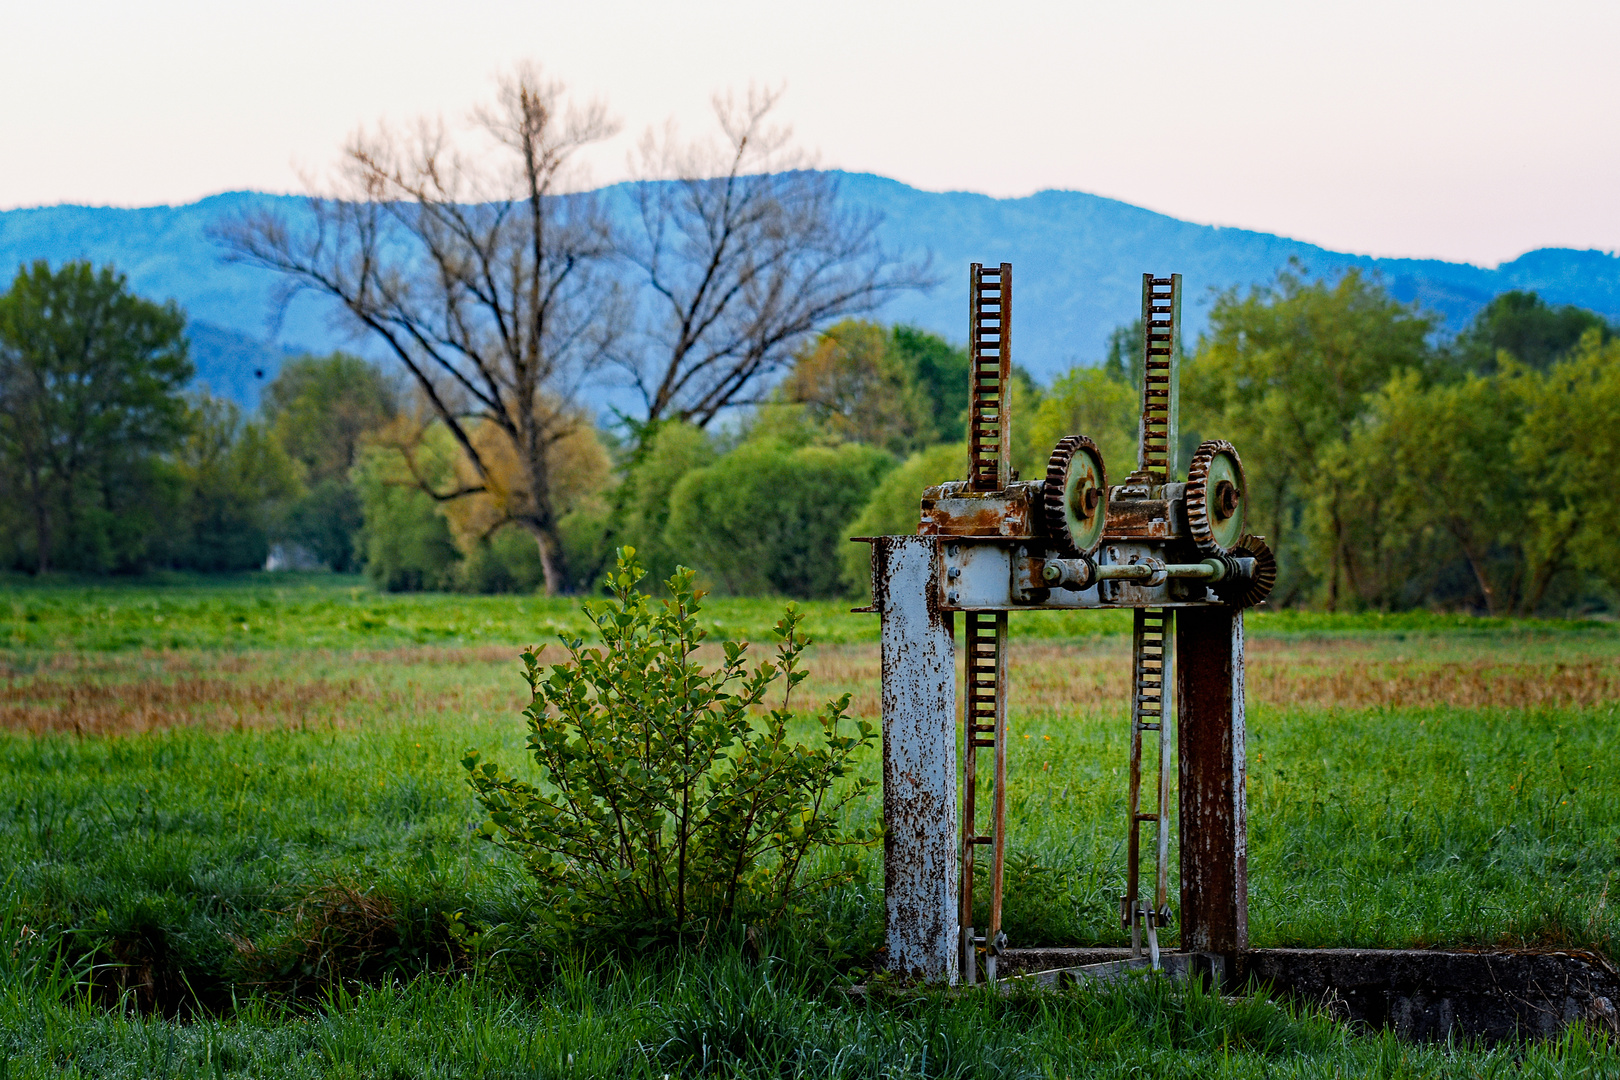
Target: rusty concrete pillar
{"x": 919, "y": 759}
{"x": 1214, "y": 770}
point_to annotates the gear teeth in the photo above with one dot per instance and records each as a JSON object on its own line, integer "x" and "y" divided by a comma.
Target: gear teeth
{"x": 1052, "y": 502}
{"x": 1197, "y": 498}
{"x": 1264, "y": 580}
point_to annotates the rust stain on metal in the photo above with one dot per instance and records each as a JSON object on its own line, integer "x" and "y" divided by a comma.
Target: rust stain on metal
{"x": 919, "y": 758}
{"x": 1214, "y": 797}
{"x": 949, "y": 510}
{"x": 1153, "y": 519}
{"x": 963, "y": 518}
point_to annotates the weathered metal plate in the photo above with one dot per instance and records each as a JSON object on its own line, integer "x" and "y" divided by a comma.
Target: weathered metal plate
{"x": 1161, "y": 518}
{"x": 950, "y": 510}
{"x": 919, "y": 758}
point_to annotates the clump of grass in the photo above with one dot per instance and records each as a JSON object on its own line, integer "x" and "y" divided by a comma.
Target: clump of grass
{"x": 343, "y": 935}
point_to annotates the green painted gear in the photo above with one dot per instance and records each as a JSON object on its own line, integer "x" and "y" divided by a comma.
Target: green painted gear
{"x": 1075, "y": 496}
{"x": 1217, "y": 497}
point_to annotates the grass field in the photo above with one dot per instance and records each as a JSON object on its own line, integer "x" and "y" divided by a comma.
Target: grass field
{"x": 236, "y": 841}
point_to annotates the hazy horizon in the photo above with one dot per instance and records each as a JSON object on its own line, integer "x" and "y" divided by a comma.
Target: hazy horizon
{"x": 1465, "y": 132}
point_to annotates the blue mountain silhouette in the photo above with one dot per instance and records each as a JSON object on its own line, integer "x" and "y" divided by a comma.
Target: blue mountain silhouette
{"x": 1078, "y": 261}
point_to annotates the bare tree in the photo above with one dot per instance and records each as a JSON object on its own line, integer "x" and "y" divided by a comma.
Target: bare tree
{"x": 489, "y": 282}
{"x": 744, "y": 250}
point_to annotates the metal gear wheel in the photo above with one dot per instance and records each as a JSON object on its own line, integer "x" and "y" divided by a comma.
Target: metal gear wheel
{"x": 1217, "y": 497}
{"x": 1075, "y": 496}
{"x": 1247, "y": 592}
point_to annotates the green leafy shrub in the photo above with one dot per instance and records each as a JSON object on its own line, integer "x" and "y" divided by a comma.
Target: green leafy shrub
{"x": 505, "y": 562}
{"x": 672, "y": 799}
{"x": 895, "y": 507}
{"x": 772, "y": 518}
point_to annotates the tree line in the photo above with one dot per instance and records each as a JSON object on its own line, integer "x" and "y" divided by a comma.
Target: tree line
{"x": 1398, "y": 469}
{"x": 1391, "y": 466}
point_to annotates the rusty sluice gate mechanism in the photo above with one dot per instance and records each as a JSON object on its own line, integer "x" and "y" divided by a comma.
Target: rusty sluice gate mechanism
{"x": 1174, "y": 551}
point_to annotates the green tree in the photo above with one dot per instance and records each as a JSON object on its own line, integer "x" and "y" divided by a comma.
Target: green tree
{"x": 941, "y": 371}
{"x": 1527, "y": 328}
{"x": 852, "y": 383}
{"x": 1433, "y": 471}
{"x": 406, "y": 542}
{"x": 668, "y": 454}
{"x": 234, "y": 479}
{"x": 1285, "y": 372}
{"x": 504, "y": 562}
{"x": 90, "y": 385}
{"x": 321, "y": 409}
{"x": 324, "y": 521}
{"x": 1122, "y": 358}
{"x": 770, "y": 518}
{"x": 1092, "y": 402}
{"x": 895, "y": 506}
{"x": 1571, "y": 432}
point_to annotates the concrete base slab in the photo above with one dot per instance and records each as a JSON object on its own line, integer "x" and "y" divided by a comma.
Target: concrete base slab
{"x": 1422, "y": 994}
{"x": 1172, "y": 965}
{"x": 1427, "y": 995}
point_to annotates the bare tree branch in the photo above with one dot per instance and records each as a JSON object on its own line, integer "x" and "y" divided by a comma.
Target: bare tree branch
{"x": 744, "y": 251}
{"x": 491, "y": 283}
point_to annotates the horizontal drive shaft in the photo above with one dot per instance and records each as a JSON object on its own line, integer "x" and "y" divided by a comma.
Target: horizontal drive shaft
{"x": 1080, "y": 573}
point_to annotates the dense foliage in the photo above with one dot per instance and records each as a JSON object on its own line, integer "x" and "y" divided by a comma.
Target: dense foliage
{"x": 1392, "y": 467}
{"x": 90, "y": 380}
{"x": 1392, "y": 471}
{"x": 322, "y": 410}
{"x": 666, "y": 805}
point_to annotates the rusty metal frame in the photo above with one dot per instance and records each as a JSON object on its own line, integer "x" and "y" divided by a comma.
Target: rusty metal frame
{"x": 983, "y": 548}
{"x": 919, "y": 758}
{"x": 984, "y": 726}
{"x": 1159, "y": 427}
{"x": 1152, "y": 667}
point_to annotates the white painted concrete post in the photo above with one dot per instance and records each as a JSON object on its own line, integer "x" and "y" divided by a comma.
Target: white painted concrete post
{"x": 919, "y": 759}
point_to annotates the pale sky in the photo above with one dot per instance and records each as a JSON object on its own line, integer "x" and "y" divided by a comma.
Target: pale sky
{"x": 1469, "y": 131}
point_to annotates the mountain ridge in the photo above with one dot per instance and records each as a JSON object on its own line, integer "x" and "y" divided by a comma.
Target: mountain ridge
{"x": 1077, "y": 257}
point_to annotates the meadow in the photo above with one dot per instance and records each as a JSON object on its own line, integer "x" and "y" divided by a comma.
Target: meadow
{"x": 235, "y": 840}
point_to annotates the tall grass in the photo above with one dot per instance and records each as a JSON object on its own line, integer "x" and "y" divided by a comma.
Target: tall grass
{"x": 724, "y": 1015}
{"x": 257, "y": 859}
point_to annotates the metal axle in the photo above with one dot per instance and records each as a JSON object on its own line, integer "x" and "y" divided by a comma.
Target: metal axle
{"x": 1081, "y": 573}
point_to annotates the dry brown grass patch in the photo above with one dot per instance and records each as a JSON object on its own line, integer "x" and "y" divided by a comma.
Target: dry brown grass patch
{"x": 437, "y": 655}
{"x": 1079, "y": 679}
{"x": 121, "y": 708}
{"x": 1415, "y": 684}
{"x": 91, "y": 694}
